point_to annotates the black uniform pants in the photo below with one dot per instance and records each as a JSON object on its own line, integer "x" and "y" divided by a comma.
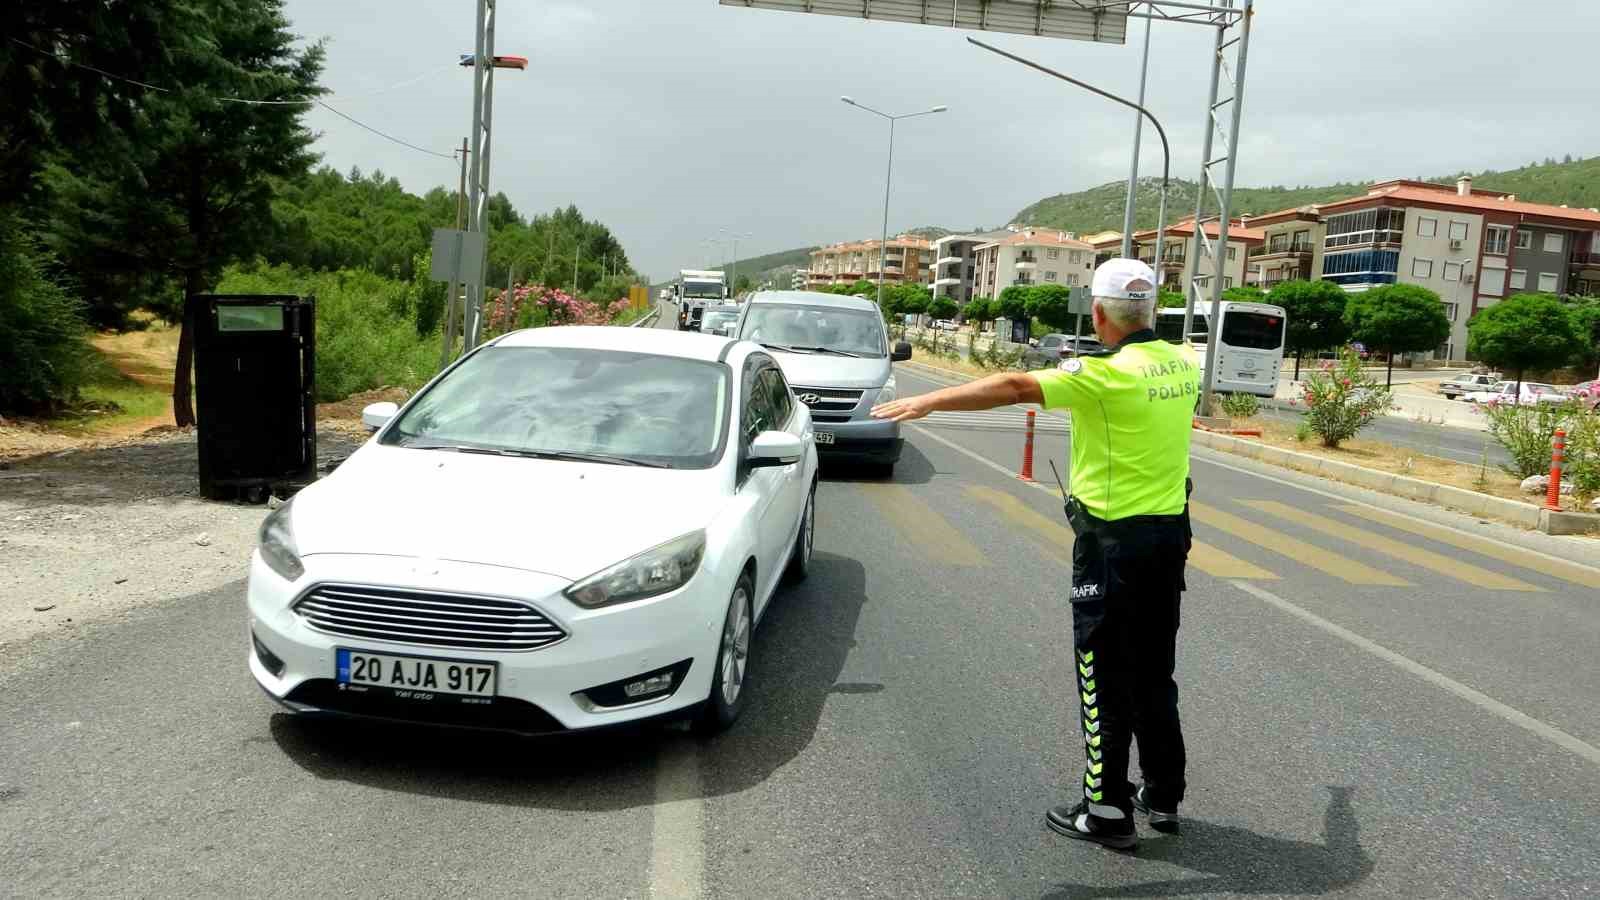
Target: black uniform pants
{"x": 1127, "y": 578}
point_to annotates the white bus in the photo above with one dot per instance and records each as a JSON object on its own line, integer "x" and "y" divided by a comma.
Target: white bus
{"x": 1249, "y": 346}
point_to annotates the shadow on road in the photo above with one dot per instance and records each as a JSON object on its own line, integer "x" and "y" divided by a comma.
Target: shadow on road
{"x": 1243, "y": 862}
{"x": 913, "y": 468}
{"x": 798, "y": 653}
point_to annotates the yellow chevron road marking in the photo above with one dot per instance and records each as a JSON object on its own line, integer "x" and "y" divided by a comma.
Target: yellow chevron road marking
{"x": 923, "y": 527}
{"x": 1318, "y": 558}
{"x": 1544, "y": 565}
{"x": 1426, "y": 559}
{"x": 1202, "y": 556}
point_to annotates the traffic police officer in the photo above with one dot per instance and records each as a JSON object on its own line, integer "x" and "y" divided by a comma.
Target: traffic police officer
{"x": 1132, "y": 407}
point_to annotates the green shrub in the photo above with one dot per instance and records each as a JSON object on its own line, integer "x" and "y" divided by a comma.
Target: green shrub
{"x": 1240, "y": 405}
{"x": 1583, "y": 454}
{"x": 43, "y": 340}
{"x": 366, "y": 326}
{"x": 1526, "y": 431}
{"x": 1341, "y": 399}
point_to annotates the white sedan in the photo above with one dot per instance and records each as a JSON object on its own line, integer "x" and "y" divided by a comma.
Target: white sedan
{"x": 1505, "y": 392}
{"x": 569, "y": 528}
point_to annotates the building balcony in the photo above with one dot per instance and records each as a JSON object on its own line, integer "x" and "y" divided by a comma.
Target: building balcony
{"x": 950, "y": 260}
{"x": 1586, "y": 260}
{"x": 941, "y": 282}
{"x": 1027, "y": 265}
{"x": 1298, "y": 251}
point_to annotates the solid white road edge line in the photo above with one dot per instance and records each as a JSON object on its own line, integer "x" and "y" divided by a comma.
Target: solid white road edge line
{"x": 1549, "y": 732}
{"x": 677, "y": 832}
{"x": 1482, "y": 701}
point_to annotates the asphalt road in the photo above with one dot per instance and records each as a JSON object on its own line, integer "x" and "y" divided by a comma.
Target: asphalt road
{"x": 1373, "y": 706}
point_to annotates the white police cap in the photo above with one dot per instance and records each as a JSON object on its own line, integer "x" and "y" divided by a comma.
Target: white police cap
{"x": 1112, "y": 278}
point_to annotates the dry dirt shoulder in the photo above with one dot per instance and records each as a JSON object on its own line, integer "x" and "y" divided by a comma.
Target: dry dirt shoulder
{"x": 88, "y": 534}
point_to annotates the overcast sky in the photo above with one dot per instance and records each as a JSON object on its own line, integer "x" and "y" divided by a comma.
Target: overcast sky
{"x": 671, "y": 120}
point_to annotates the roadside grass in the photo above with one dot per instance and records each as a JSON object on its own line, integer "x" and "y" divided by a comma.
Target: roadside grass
{"x": 129, "y": 384}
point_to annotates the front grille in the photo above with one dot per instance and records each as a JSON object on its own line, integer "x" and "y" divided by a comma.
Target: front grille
{"x": 829, "y": 400}
{"x": 428, "y": 618}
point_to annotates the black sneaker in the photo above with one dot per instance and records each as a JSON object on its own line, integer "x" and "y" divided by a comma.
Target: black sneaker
{"x": 1163, "y": 820}
{"x": 1077, "y": 822}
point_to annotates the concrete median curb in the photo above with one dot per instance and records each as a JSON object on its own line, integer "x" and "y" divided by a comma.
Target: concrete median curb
{"x": 1474, "y": 503}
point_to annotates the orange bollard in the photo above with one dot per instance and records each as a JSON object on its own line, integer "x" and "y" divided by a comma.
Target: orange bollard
{"x": 1558, "y": 455}
{"x": 1027, "y": 452}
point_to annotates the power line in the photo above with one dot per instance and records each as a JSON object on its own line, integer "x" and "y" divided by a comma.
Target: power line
{"x": 314, "y": 101}
{"x": 390, "y": 137}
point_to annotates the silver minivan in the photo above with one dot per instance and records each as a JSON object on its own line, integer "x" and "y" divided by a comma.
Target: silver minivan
{"x": 835, "y": 353}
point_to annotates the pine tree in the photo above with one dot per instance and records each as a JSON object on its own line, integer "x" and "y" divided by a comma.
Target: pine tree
{"x": 187, "y": 187}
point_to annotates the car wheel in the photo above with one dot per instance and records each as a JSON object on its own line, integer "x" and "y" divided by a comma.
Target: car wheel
{"x": 730, "y": 676}
{"x": 800, "y": 558}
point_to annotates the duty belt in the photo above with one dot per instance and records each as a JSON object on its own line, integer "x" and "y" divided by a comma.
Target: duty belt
{"x": 1085, "y": 522}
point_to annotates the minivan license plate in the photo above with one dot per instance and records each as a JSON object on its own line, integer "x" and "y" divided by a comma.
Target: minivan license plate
{"x": 416, "y": 674}
{"x": 824, "y": 437}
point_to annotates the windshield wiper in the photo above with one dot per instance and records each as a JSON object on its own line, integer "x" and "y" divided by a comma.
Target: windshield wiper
{"x": 783, "y": 347}
{"x": 829, "y": 350}
{"x": 576, "y": 456}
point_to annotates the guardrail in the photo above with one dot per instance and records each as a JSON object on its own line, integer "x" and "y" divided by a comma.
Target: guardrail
{"x": 647, "y": 319}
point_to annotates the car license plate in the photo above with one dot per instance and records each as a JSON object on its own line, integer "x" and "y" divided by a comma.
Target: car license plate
{"x": 416, "y": 675}
{"x": 824, "y": 437}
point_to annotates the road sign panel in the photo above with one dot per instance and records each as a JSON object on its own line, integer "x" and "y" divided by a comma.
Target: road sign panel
{"x": 457, "y": 256}
{"x": 1105, "y": 23}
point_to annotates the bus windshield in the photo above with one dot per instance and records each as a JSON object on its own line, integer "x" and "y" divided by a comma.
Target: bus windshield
{"x": 1252, "y": 330}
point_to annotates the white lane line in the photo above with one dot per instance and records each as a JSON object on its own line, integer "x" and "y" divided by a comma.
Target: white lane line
{"x": 677, "y": 831}
{"x": 1483, "y": 701}
{"x": 1516, "y": 717}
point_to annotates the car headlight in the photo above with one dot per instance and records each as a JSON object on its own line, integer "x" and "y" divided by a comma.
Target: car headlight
{"x": 277, "y": 544}
{"x": 888, "y": 392}
{"x": 655, "y": 571}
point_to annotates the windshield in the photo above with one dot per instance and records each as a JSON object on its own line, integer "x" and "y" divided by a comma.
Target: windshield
{"x": 857, "y": 332}
{"x": 634, "y": 407}
{"x": 703, "y": 289}
{"x": 1252, "y": 330}
{"x": 720, "y": 318}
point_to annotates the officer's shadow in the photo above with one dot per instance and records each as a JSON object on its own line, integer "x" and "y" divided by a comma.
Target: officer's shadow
{"x": 1243, "y": 862}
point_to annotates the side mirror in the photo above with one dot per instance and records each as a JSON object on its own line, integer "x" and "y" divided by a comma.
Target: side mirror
{"x": 377, "y": 415}
{"x": 901, "y": 352}
{"x": 775, "y": 448}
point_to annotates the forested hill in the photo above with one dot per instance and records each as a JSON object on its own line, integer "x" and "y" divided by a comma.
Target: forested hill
{"x": 1574, "y": 181}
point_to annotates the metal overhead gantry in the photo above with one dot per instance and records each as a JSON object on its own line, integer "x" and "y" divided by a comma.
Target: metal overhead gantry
{"x": 1087, "y": 20}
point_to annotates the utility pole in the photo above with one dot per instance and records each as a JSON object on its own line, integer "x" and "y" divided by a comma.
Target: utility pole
{"x": 452, "y": 299}
{"x": 1128, "y": 250}
{"x": 577, "y": 254}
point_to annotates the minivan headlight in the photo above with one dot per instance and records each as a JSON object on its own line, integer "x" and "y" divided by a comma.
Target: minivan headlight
{"x": 277, "y": 544}
{"x": 888, "y": 391}
{"x": 655, "y": 571}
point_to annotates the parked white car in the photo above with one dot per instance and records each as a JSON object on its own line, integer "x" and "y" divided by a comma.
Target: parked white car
{"x": 1467, "y": 383}
{"x": 570, "y": 528}
{"x": 1506, "y": 392}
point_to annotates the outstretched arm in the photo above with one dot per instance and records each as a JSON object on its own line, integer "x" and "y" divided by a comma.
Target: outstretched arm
{"x": 1003, "y": 389}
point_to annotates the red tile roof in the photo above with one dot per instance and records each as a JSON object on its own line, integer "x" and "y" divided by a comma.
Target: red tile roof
{"x": 1236, "y": 232}
{"x": 1478, "y": 201}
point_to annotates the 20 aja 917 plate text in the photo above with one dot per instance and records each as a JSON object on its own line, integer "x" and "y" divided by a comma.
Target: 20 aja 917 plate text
{"x": 416, "y": 675}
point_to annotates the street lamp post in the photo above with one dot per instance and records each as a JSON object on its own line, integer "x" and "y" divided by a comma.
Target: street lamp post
{"x": 733, "y": 274}
{"x": 883, "y": 245}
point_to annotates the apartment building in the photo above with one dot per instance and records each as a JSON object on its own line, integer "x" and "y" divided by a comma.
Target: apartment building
{"x": 955, "y": 263}
{"x": 1031, "y": 256}
{"x": 1471, "y": 247}
{"x": 1291, "y": 248}
{"x": 906, "y": 258}
{"x": 1107, "y": 244}
{"x": 1177, "y": 263}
